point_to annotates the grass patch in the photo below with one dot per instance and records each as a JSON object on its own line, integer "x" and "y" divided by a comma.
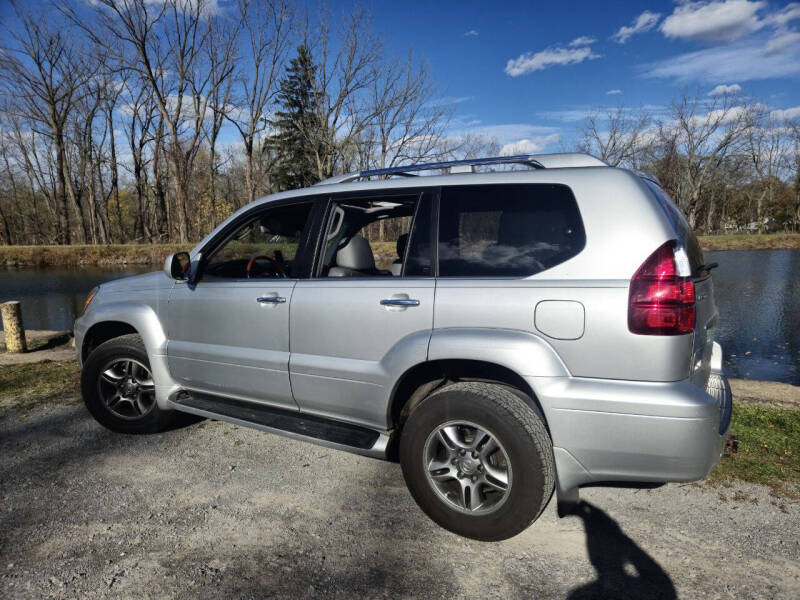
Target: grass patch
{"x": 24, "y": 385}
{"x": 769, "y": 449}
{"x": 750, "y": 241}
{"x": 77, "y": 255}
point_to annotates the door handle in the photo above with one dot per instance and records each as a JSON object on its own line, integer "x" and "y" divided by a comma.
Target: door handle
{"x": 270, "y": 299}
{"x": 399, "y": 302}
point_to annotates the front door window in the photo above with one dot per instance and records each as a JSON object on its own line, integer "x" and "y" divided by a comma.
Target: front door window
{"x": 263, "y": 247}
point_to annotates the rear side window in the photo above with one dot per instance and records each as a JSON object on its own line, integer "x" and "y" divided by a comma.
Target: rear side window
{"x": 507, "y": 230}
{"x": 686, "y": 236}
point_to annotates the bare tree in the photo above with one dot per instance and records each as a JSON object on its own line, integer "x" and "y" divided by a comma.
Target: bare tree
{"x": 616, "y": 135}
{"x": 44, "y": 73}
{"x": 222, "y": 56}
{"x": 698, "y": 137}
{"x": 164, "y": 45}
{"x": 267, "y": 37}
{"x": 406, "y": 120}
{"x": 768, "y": 145}
{"x": 344, "y": 76}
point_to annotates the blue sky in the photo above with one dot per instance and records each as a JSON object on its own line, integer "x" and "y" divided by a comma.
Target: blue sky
{"x": 527, "y": 73}
{"x": 550, "y": 85}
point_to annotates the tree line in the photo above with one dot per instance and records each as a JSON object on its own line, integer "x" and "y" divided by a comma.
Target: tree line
{"x": 140, "y": 121}
{"x": 729, "y": 162}
{"x": 113, "y": 114}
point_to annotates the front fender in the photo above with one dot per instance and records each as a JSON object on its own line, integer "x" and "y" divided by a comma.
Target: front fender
{"x": 145, "y": 320}
{"x": 140, "y": 316}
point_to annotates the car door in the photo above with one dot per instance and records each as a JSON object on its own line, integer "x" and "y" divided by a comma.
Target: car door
{"x": 229, "y": 329}
{"x": 353, "y": 333}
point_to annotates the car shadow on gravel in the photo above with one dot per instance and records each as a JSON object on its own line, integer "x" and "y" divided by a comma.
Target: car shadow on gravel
{"x": 624, "y": 570}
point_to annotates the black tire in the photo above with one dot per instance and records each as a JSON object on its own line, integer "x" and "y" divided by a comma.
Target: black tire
{"x": 126, "y": 347}
{"x": 519, "y": 428}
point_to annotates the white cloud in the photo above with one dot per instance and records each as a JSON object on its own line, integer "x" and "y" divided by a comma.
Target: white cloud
{"x": 613, "y": 92}
{"x": 723, "y": 89}
{"x": 551, "y": 57}
{"x": 472, "y": 33}
{"x": 785, "y": 113}
{"x": 644, "y": 22}
{"x": 713, "y": 21}
{"x": 583, "y": 40}
{"x": 721, "y": 115}
{"x": 782, "y": 40}
{"x": 742, "y": 61}
{"x": 510, "y": 132}
{"x": 529, "y": 145}
{"x": 790, "y": 12}
{"x": 448, "y": 101}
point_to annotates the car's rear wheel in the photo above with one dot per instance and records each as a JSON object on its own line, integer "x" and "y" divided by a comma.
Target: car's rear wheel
{"x": 478, "y": 460}
{"x": 118, "y": 388}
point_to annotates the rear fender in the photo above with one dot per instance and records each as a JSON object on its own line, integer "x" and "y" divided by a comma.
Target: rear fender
{"x": 526, "y": 354}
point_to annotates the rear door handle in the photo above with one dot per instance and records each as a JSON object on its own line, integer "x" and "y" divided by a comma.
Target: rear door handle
{"x": 270, "y": 299}
{"x": 399, "y": 302}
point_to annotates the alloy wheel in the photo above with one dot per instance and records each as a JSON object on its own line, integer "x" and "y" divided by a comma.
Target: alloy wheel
{"x": 467, "y": 467}
{"x": 126, "y": 388}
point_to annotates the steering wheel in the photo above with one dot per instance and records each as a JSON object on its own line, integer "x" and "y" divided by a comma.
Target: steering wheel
{"x": 278, "y": 267}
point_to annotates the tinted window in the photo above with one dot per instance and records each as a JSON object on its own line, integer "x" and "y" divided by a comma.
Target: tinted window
{"x": 507, "y": 230}
{"x": 419, "y": 254}
{"x": 263, "y": 247}
{"x": 685, "y": 234}
{"x": 367, "y": 237}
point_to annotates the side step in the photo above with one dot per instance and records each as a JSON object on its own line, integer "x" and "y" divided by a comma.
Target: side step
{"x": 297, "y": 425}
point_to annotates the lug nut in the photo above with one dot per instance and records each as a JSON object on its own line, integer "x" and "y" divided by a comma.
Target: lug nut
{"x": 462, "y": 452}
{"x": 474, "y": 455}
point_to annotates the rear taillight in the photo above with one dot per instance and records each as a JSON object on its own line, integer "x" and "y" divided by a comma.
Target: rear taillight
{"x": 661, "y": 300}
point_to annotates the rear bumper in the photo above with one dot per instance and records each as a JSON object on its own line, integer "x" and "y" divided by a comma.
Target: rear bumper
{"x": 607, "y": 430}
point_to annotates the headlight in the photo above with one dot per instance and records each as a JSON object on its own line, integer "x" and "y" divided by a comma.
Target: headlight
{"x": 89, "y": 298}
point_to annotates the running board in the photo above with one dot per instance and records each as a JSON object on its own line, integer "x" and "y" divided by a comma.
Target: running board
{"x": 293, "y": 424}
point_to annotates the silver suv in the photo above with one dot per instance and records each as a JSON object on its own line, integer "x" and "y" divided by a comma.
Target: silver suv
{"x": 545, "y": 326}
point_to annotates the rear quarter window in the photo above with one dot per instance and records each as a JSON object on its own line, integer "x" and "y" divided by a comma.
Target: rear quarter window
{"x": 507, "y": 230}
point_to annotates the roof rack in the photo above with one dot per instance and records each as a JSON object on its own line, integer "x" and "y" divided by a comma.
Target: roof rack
{"x": 536, "y": 161}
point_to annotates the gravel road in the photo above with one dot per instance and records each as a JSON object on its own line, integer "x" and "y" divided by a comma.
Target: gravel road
{"x": 215, "y": 511}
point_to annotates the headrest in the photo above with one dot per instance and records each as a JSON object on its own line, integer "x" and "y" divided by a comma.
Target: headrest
{"x": 357, "y": 255}
{"x": 402, "y": 242}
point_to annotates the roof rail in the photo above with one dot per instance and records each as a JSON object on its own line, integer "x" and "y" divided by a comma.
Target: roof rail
{"x": 536, "y": 161}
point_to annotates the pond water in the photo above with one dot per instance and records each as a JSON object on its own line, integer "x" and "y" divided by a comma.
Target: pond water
{"x": 53, "y": 297}
{"x": 757, "y": 292}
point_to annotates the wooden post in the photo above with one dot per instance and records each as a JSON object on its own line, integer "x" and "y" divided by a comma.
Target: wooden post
{"x": 13, "y": 327}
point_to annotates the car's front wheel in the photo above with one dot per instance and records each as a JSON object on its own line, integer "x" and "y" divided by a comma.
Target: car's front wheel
{"x": 118, "y": 388}
{"x": 478, "y": 460}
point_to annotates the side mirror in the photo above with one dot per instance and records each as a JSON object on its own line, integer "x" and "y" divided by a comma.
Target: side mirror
{"x": 178, "y": 265}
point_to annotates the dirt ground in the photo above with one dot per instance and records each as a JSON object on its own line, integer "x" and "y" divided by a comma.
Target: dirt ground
{"x": 210, "y": 510}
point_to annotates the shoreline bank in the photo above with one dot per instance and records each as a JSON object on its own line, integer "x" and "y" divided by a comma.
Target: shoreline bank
{"x": 747, "y": 241}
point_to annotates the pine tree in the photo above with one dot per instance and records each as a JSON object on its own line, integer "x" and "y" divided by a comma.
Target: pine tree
{"x": 296, "y": 125}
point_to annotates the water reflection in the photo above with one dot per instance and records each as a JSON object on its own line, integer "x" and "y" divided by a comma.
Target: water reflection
{"x": 758, "y": 296}
{"x": 53, "y": 297}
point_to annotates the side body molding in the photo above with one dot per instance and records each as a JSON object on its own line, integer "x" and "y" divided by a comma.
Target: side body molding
{"x": 526, "y": 354}
{"x": 144, "y": 319}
